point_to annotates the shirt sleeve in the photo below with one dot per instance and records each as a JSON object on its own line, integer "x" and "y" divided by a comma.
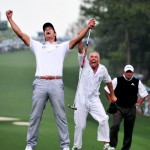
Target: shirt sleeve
{"x": 66, "y": 46}
{"x": 142, "y": 90}
{"x": 106, "y": 77}
{"x": 114, "y": 83}
{"x": 34, "y": 45}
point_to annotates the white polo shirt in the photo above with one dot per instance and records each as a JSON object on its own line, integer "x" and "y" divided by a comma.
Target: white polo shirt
{"x": 89, "y": 82}
{"x": 49, "y": 57}
{"x": 141, "y": 89}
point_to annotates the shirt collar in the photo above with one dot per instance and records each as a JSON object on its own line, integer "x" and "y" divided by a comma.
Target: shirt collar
{"x": 48, "y": 43}
{"x": 127, "y": 79}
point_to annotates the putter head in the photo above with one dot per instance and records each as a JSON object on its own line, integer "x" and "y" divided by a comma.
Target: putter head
{"x": 72, "y": 107}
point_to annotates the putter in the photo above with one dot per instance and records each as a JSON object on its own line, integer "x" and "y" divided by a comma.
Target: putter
{"x": 72, "y": 106}
{"x": 82, "y": 65}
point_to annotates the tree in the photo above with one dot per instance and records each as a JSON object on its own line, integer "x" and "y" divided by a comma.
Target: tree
{"x": 123, "y": 31}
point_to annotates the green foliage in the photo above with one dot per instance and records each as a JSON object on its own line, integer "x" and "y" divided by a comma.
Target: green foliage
{"x": 148, "y": 83}
{"x": 3, "y": 25}
{"x": 124, "y": 27}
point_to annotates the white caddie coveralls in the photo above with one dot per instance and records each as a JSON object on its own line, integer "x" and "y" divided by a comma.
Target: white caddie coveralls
{"x": 87, "y": 101}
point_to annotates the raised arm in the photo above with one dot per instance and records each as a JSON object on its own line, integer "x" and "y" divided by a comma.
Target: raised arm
{"x": 82, "y": 34}
{"x": 25, "y": 38}
{"x": 80, "y": 45}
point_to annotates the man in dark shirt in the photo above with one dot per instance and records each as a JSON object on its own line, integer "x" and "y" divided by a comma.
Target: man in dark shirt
{"x": 130, "y": 92}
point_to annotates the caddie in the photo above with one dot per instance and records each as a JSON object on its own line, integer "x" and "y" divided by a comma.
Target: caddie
{"x": 87, "y": 98}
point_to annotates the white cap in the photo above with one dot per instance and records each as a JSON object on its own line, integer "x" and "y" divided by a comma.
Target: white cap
{"x": 128, "y": 67}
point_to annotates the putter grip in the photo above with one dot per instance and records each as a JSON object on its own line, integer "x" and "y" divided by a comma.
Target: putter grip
{"x": 85, "y": 52}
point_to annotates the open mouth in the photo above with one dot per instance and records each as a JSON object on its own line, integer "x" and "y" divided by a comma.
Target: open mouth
{"x": 93, "y": 63}
{"x": 48, "y": 33}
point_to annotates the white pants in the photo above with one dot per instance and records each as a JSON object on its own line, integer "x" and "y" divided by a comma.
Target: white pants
{"x": 96, "y": 109}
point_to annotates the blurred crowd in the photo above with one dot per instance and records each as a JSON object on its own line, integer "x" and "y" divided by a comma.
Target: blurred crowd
{"x": 144, "y": 108}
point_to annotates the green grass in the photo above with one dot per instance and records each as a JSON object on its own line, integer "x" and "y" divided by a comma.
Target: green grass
{"x": 16, "y": 75}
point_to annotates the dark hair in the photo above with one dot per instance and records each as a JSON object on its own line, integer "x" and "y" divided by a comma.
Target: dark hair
{"x": 48, "y": 24}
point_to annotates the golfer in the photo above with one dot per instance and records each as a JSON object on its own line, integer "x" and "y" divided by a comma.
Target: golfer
{"x": 87, "y": 98}
{"x": 127, "y": 90}
{"x": 48, "y": 84}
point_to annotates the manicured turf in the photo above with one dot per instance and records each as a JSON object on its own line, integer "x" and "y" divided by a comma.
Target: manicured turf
{"x": 16, "y": 75}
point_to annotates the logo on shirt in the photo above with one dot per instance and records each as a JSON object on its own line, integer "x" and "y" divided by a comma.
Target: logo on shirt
{"x": 43, "y": 46}
{"x": 100, "y": 79}
{"x": 133, "y": 84}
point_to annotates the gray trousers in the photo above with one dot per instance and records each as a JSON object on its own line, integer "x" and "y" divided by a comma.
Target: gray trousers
{"x": 129, "y": 116}
{"x": 42, "y": 91}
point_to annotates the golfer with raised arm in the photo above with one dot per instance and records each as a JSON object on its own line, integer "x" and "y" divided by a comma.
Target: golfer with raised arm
{"x": 48, "y": 84}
